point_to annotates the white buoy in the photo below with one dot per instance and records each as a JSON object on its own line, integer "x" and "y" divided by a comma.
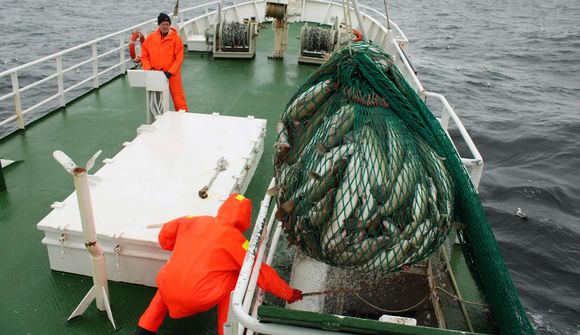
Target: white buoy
{"x": 100, "y": 291}
{"x": 519, "y": 213}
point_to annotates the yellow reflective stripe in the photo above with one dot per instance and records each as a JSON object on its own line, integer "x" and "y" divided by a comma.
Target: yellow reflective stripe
{"x": 189, "y": 216}
{"x": 240, "y": 197}
{"x": 246, "y": 245}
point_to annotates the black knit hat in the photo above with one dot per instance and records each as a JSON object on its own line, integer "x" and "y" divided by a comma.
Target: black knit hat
{"x": 162, "y": 18}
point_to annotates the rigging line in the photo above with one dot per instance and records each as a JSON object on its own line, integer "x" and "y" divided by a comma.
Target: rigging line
{"x": 387, "y": 14}
{"x": 456, "y": 288}
{"x": 176, "y": 9}
{"x": 155, "y": 103}
{"x": 392, "y": 311}
{"x": 347, "y": 22}
{"x": 463, "y": 300}
{"x": 344, "y": 17}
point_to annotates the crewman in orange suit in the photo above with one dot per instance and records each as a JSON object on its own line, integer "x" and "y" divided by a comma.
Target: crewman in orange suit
{"x": 202, "y": 271}
{"x": 163, "y": 51}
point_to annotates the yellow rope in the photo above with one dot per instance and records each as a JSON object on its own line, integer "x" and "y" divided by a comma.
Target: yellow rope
{"x": 462, "y": 300}
{"x": 276, "y": 11}
{"x": 392, "y": 311}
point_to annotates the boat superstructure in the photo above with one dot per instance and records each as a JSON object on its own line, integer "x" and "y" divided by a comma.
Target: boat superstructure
{"x": 91, "y": 76}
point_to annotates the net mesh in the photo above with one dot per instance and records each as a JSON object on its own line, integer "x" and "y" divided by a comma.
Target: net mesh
{"x": 366, "y": 178}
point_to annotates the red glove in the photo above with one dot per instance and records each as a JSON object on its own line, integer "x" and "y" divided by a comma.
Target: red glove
{"x": 296, "y": 295}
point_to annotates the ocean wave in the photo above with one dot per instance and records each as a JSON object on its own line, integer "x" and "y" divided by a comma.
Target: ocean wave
{"x": 509, "y": 68}
{"x": 543, "y": 326}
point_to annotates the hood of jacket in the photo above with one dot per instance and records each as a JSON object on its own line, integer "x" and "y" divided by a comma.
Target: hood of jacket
{"x": 236, "y": 211}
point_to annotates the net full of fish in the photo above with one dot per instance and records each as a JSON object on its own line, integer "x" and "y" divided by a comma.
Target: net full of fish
{"x": 357, "y": 186}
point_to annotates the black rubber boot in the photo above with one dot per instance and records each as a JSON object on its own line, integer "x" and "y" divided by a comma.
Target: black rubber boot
{"x": 143, "y": 331}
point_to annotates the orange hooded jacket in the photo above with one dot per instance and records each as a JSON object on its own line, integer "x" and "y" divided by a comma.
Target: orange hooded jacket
{"x": 166, "y": 54}
{"x": 208, "y": 253}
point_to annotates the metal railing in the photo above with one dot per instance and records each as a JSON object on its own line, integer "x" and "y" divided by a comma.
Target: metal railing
{"x": 242, "y": 301}
{"x": 244, "y": 304}
{"x": 99, "y": 72}
{"x": 400, "y": 42}
{"x": 60, "y": 71}
{"x": 474, "y": 165}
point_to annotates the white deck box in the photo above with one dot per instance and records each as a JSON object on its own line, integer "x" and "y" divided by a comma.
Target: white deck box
{"x": 197, "y": 43}
{"x": 154, "y": 179}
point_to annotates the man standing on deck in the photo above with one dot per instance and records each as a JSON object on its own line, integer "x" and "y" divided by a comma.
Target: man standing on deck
{"x": 203, "y": 269}
{"x": 163, "y": 51}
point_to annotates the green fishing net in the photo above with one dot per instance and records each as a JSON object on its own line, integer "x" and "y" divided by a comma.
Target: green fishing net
{"x": 356, "y": 186}
{"x": 366, "y": 178}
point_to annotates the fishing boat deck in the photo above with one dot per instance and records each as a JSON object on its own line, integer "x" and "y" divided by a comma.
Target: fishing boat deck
{"x": 154, "y": 179}
{"x": 423, "y": 292}
{"x": 34, "y": 299}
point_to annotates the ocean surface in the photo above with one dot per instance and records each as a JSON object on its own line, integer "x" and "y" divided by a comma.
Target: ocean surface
{"x": 511, "y": 70}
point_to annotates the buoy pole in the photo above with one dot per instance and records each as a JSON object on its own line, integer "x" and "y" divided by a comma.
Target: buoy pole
{"x": 100, "y": 290}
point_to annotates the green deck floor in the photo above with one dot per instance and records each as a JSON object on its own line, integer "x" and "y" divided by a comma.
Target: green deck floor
{"x": 36, "y": 300}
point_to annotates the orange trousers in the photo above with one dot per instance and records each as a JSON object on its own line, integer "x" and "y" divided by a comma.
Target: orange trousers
{"x": 154, "y": 314}
{"x": 157, "y": 310}
{"x": 177, "y": 94}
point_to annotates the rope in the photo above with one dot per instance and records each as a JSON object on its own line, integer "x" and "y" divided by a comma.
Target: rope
{"x": 346, "y": 13}
{"x": 275, "y": 11}
{"x": 155, "y": 104}
{"x": 317, "y": 39}
{"x": 176, "y": 9}
{"x": 456, "y": 288}
{"x": 392, "y": 311}
{"x": 235, "y": 34}
{"x": 387, "y": 14}
{"x": 462, "y": 300}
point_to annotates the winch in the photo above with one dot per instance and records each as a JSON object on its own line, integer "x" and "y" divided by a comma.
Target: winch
{"x": 231, "y": 39}
{"x": 317, "y": 42}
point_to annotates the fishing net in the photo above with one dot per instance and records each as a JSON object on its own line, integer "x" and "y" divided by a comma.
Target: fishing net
{"x": 366, "y": 178}
{"x": 357, "y": 187}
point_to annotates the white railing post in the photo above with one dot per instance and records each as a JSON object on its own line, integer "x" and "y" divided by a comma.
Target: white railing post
{"x": 360, "y": 20}
{"x": 247, "y": 302}
{"x": 232, "y": 325}
{"x": 60, "y": 80}
{"x": 477, "y": 171}
{"x": 17, "y": 101}
{"x": 123, "y": 67}
{"x": 95, "y": 66}
{"x": 445, "y": 118}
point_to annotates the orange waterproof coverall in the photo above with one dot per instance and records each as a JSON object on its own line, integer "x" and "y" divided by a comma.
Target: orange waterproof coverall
{"x": 166, "y": 54}
{"x": 208, "y": 253}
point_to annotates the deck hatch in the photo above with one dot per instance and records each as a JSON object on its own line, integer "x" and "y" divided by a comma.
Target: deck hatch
{"x": 154, "y": 180}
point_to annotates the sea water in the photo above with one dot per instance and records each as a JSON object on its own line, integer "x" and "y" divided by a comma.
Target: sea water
{"x": 511, "y": 70}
